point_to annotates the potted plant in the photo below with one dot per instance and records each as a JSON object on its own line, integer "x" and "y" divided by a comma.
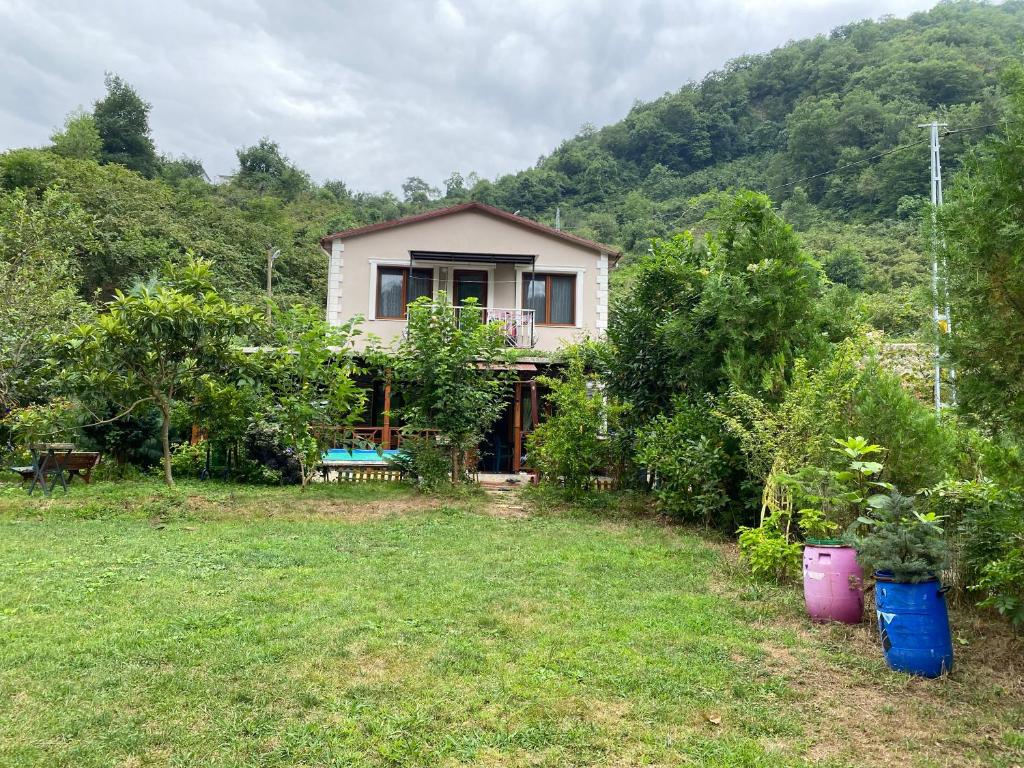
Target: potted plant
{"x": 907, "y": 551}
{"x": 829, "y": 500}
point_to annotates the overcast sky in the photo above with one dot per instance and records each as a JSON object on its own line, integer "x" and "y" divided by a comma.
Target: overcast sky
{"x": 373, "y": 92}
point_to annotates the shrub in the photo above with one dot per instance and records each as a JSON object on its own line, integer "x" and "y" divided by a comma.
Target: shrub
{"x": 694, "y": 464}
{"x": 769, "y": 550}
{"x": 265, "y": 444}
{"x": 1002, "y": 581}
{"x": 920, "y": 449}
{"x": 570, "y": 447}
{"x": 188, "y": 459}
{"x": 987, "y": 542}
{"x": 424, "y": 463}
{"x": 830, "y": 499}
{"x": 894, "y": 537}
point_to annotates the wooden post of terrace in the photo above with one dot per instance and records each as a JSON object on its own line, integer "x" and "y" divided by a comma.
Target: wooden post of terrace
{"x": 386, "y": 436}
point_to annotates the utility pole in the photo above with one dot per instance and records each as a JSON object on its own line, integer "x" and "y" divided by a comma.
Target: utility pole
{"x": 272, "y": 254}
{"x": 941, "y": 316}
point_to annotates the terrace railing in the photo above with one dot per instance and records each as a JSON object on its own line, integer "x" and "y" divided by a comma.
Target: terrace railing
{"x": 517, "y": 325}
{"x": 364, "y": 437}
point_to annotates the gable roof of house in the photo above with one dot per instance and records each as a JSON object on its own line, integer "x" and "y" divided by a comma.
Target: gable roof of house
{"x": 481, "y": 208}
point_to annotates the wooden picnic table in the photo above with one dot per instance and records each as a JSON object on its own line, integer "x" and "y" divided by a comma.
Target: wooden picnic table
{"x": 50, "y": 459}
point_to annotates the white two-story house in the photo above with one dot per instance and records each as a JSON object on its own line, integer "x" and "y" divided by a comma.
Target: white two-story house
{"x": 544, "y": 285}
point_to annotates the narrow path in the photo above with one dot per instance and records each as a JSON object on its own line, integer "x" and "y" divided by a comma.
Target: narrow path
{"x": 505, "y": 502}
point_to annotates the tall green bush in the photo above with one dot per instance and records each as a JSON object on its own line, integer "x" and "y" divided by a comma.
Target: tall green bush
{"x": 694, "y": 466}
{"x": 981, "y": 225}
{"x": 570, "y": 447}
{"x": 448, "y": 367}
{"x": 307, "y": 378}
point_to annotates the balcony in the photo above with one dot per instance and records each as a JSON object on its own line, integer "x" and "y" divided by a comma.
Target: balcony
{"x": 516, "y": 325}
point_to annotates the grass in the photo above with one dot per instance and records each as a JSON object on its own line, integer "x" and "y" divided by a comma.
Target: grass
{"x": 213, "y": 625}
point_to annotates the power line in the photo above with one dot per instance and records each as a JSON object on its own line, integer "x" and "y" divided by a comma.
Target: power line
{"x": 893, "y": 150}
{"x": 845, "y": 166}
{"x": 850, "y": 165}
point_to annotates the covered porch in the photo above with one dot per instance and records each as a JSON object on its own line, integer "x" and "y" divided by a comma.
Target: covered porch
{"x": 503, "y": 449}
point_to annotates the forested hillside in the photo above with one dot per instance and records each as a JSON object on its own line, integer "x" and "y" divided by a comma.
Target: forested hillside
{"x": 781, "y": 122}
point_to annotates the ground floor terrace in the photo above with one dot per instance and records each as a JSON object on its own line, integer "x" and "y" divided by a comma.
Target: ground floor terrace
{"x": 503, "y": 450}
{"x": 221, "y": 625}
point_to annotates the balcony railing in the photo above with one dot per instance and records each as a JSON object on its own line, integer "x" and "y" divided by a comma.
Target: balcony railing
{"x": 516, "y": 325}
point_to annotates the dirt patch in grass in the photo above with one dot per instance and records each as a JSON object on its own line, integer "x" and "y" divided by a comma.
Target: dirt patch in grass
{"x": 342, "y": 510}
{"x": 506, "y": 504}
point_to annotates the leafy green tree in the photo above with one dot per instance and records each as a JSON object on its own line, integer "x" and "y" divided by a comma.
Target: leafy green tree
{"x": 846, "y": 266}
{"x": 570, "y": 446}
{"x": 455, "y": 188}
{"x": 80, "y": 138}
{"x": 759, "y": 298}
{"x": 179, "y": 170}
{"x": 122, "y": 121}
{"x": 264, "y": 170}
{"x": 152, "y": 344}
{"x": 736, "y": 309}
{"x": 38, "y": 286}
{"x": 337, "y": 188}
{"x": 307, "y": 376}
{"x": 447, "y": 369}
{"x": 799, "y": 211}
{"x": 416, "y": 191}
{"x": 982, "y": 224}
{"x": 646, "y": 367}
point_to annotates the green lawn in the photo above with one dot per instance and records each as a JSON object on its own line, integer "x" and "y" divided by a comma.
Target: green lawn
{"x": 217, "y": 626}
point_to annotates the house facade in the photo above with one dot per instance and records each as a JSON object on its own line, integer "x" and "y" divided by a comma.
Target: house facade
{"x": 545, "y": 287}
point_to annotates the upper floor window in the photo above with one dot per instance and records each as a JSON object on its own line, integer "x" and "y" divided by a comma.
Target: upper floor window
{"x": 397, "y": 287}
{"x": 551, "y": 297}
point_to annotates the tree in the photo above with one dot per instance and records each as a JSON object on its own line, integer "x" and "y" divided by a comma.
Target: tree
{"x": 418, "y": 192}
{"x": 447, "y": 371}
{"x": 80, "y": 138}
{"x": 337, "y": 189}
{"x": 982, "y": 225}
{"x": 38, "y": 281}
{"x": 181, "y": 169}
{"x": 570, "y": 446}
{"x": 846, "y": 266}
{"x": 264, "y": 170}
{"x": 732, "y": 310}
{"x": 122, "y": 120}
{"x": 307, "y": 377}
{"x": 152, "y": 344}
{"x": 455, "y": 187}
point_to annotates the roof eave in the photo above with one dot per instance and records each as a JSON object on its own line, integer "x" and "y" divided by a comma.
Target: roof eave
{"x": 470, "y": 206}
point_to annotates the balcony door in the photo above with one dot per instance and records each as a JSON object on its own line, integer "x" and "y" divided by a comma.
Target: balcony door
{"x": 470, "y": 283}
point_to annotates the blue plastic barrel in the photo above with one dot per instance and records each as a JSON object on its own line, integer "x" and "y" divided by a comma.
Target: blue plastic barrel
{"x": 914, "y": 626}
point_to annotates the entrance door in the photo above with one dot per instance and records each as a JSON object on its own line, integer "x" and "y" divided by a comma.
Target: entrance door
{"x": 470, "y": 283}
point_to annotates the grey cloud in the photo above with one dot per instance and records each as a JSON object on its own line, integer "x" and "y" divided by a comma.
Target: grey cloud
{"x": 374, "y": 92}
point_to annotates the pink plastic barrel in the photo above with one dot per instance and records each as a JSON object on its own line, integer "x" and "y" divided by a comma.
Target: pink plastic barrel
{"x": 833, "y": 583}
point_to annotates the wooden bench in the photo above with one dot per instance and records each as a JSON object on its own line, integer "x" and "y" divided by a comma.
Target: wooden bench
{"x": 77, "y": 464}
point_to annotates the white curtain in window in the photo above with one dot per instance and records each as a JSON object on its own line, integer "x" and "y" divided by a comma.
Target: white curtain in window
{"x": 563, "y": 296}
{"x": 535, "y": 297}
{"x": 391, "y": 296}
